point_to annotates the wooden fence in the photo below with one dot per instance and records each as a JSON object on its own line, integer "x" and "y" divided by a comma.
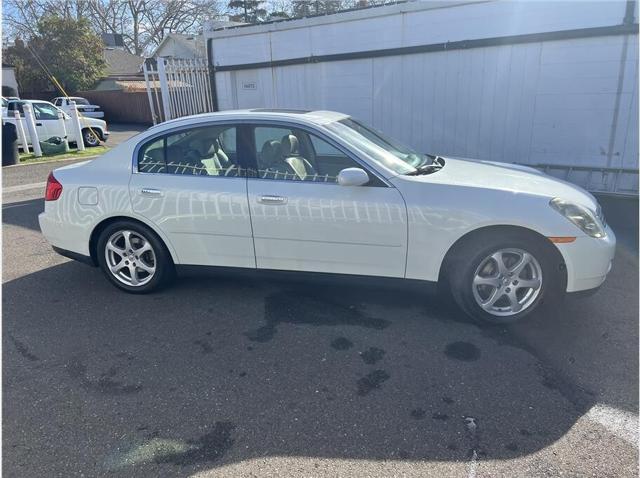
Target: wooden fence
{"x": 121, "y": 106}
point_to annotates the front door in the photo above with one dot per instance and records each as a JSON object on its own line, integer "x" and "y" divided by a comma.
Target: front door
{"x": 303, "y": 220}
{"x": 48, "y": 124}
{"x": 190, "y": 185}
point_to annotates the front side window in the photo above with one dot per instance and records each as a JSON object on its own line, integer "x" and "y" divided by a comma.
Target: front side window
{"x": 295, "y": 155}
{"x": 45, "y": 111}
{"x": 203, "y": 151}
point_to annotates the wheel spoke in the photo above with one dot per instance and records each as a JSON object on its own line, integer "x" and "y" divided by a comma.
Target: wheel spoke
{"x": 145, "y": 247}
{"x": 522, "y": 263}
{"x": 528, "y": 284}
{"x": 499, "y": 259}
{"x": 127, "y": 240}
{"x": 513, "y": 301}
{"x": 145, "y": 267}
{"x": 492, "y": 299}
{"x": 490, "y": 281}
{"x": 134, "y": 274}
{"x": 112, "y": 247}
{"x": 118, "y": 267}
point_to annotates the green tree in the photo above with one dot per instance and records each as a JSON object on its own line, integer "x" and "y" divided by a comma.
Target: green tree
{"x": 249, "y": 11}
{"x": 66, "y": 47}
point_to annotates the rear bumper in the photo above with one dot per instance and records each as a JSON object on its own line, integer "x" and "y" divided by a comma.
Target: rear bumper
{"x": 64, "y": 236}
{"x": 93, "y": 114}
{"x": 588, "y": 261}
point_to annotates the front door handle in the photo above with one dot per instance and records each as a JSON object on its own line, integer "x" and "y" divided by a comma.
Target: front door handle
{"x": 268, "y": 199}
{"x": 151, "y": 192}
{"x": 38, "y": 124}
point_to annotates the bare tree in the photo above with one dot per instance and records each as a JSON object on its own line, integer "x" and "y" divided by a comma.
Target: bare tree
{"x": 19, "y": 17}
{"x": 142, "y": 23}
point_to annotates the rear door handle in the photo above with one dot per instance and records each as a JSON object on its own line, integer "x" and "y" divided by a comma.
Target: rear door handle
{"x": 38, "y": 124}
{"x": 268, "y": 199}
{"x": 151, "y": 192}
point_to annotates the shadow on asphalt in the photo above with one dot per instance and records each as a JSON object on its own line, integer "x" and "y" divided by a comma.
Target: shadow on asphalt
{"x": 227, "y": 370}
{"x": 216, "y": 370}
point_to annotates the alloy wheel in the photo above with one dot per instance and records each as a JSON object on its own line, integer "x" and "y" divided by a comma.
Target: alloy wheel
{"x": 507, "y": 282}
{"x": 130, "y": 258}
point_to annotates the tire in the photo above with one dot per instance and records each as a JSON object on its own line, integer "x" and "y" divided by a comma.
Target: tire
{"x": 89, "y": 138}
{"x": 494, "y": 293}
{"x": 135, "y": 272}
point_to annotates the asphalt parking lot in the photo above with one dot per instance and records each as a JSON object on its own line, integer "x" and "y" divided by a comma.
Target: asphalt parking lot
{"x": 222, "y": 376}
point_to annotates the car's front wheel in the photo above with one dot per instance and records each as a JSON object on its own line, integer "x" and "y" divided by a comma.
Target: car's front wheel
{"x": 502, "y": 279}
{"x": 133, "y": 258}
{"x": 90, "y": 137}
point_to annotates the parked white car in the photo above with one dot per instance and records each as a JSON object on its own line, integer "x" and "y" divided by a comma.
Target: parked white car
{"x": 83, "y": 105}
{"x": 321, "y": 192}
{"x": 48, "y": 124}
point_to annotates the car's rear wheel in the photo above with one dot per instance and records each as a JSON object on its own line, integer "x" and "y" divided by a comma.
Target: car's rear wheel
{"x": 90, "y": 137}
{"x": 503, "y": 278}
{"x": 133, "y": 258}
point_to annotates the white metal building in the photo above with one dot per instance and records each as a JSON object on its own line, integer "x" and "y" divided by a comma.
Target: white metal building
{"x": 534, "y": 82}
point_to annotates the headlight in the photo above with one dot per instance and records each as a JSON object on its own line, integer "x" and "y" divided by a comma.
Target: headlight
{"x": 581, "y": 216}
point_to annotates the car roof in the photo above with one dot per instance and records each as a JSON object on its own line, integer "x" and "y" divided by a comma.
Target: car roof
{"x": 319, "y": 117}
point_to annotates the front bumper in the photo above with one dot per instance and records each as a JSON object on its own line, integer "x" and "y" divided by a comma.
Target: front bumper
{"x": 588, "y": 261}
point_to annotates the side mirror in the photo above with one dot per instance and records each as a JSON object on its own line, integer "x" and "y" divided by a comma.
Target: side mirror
{"x": 353, "y": 177}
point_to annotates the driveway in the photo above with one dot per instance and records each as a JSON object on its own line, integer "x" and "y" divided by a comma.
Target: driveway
{"x": 230, "y": 376}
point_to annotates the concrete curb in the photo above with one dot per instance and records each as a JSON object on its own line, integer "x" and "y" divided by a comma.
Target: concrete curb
{"x": 33, "y": 163}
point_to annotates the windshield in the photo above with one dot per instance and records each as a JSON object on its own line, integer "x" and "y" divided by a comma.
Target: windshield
{"x": 80, "y": 101}
{"x": 392, "y": 154}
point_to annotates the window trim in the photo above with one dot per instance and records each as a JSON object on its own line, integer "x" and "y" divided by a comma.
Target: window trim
{"x": 244, "y": 124}
{"x": 177, "y": 130}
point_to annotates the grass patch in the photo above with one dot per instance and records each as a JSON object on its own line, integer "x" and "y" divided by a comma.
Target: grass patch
{"x": 73, "y": 154}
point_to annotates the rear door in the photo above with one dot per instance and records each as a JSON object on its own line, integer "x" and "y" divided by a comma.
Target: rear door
{"x": 303, "y": 220}
{"x": 191, "y": 184}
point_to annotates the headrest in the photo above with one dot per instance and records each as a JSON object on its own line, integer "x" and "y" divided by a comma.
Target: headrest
{"x": 270, "y": 152}
{"x": 290, "y": 145}
{"x": 204, "y": 146}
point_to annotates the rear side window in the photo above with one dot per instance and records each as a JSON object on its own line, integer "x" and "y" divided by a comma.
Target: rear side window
{"x": 204, "y": 151}
{"x": 151, "y": 159}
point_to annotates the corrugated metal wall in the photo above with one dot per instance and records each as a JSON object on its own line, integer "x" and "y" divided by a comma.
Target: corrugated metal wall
{"x": 567, "y": 102}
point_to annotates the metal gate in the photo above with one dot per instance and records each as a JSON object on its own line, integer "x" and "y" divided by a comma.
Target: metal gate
{"x": 177, "y": 87}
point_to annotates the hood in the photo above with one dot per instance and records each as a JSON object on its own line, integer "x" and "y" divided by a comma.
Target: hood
{"x": 507, "y": 177}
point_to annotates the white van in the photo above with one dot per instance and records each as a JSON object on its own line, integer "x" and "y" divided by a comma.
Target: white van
{"x": 48, "y": 124}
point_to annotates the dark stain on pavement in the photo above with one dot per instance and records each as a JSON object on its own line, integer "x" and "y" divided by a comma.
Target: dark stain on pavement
{"x": 208, "y": 448}
{"x": 447, "y": 400}
{"x": 205, "y": 347}
{"x": 294, "y": 308}
{"x": 342, "y": 343}
{"x": 372, "y": 355}
{"x": 418, "y": 414}
{"x": 23, "y": 349}
{"x": 105, "y": 384}
{"x": 440, "y": 416}
{"x": 371, "y": 381}
{"x": 464, "y": 351}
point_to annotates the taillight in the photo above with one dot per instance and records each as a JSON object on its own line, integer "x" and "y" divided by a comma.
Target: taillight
{"x": 53, "y": 190}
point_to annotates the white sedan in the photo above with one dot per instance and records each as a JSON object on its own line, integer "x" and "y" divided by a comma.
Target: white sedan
{"x": 84, "y": 107}
{"x": 321, "y": 192}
